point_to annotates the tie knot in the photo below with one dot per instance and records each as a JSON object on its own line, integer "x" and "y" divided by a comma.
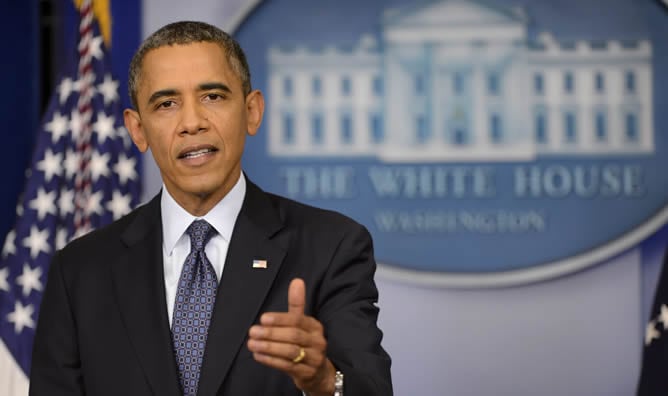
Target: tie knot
{"x": 200, "y": 233}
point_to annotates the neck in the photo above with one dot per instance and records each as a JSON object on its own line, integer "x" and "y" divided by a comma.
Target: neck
{"x": 199, "y": 204}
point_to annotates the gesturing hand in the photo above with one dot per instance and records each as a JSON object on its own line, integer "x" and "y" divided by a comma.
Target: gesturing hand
{"x": 295, "y": 344}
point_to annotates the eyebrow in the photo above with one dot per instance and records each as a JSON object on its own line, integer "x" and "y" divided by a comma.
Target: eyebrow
{"x": 213, "y": 86}
{"x": 202, "y": 87}
{"x": 161, "y": 94}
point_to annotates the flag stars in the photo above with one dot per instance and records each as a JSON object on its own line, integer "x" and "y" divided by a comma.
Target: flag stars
{"x": 66, "y": 202}
{"x": 4, "y": 276}
{"x": 94, "y": 204}
{"x": 104, "y": 127}
{"x": 29, "y": 279}
{"x": 96, "y": 47}
{"x": 19, "y": 207}
{"x": 37, "y": 241}
{"x": 125, "y": 168}
{"x": 119, "y": 204}
{"x": 109, "y": 89}
{"x": 61, "y": 238}
{"x": 651, "y": 333}
{"x": 57, "y": 126}
{"x": 65, "y": 88}
{"x": 44, "y": 203}
{"x": 10, "y": 246}
{"x": 51, "y": 165}
{"x": 663, "y": 316}
{"x": 71, "y": 163}
{"x": 21, "y": 317}
{"x": 99, "y": 165}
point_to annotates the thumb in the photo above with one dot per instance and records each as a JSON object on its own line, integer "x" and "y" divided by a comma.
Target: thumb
{"x": 297, "y": 296}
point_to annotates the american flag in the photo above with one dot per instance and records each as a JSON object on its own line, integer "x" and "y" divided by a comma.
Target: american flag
{"x": 84, "y": 174}
{"x": 653, "y": 379}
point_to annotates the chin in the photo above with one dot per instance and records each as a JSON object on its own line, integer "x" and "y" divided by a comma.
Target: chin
{"x": 204, "y": 190}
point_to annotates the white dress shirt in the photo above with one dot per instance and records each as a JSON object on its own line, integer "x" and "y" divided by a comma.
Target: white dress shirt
{"x": 176, "y": 243}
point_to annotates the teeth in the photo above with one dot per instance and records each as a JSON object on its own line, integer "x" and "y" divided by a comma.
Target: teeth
{"x": 197, "y": 153}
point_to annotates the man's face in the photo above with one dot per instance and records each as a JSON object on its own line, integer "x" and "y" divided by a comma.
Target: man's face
{"x": 193, "y": 115}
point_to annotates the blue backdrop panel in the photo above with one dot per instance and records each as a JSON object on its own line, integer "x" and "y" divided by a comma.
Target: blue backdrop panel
{"x": 19, "y": 105}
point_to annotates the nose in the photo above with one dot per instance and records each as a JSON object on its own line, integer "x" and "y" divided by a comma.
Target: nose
{"x": 193, "y": 118}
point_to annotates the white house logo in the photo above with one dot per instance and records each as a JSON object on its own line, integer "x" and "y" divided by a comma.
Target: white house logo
{"x": 476, "y": 144}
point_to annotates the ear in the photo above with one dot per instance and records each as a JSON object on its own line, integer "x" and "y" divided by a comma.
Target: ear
{"x": 134, "y": 127}
{"x": 254, "y": 111}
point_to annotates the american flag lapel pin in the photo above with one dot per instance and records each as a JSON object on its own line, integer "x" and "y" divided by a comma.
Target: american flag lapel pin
{"x": 260, "y": 264}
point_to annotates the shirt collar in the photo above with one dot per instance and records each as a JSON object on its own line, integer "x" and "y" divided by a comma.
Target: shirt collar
{"x": 175, "y": 219}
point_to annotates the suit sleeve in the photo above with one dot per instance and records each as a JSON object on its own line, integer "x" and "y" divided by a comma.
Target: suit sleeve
{"x": 56, "y": 366}
{"x": 348, "y": 310}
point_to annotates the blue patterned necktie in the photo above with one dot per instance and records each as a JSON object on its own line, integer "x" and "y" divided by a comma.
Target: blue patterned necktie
{"x": 195, "y": 296}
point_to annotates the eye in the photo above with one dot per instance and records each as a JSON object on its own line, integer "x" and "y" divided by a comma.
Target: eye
{"x": 166, "y": 104}
{"x": 212, "y": 97}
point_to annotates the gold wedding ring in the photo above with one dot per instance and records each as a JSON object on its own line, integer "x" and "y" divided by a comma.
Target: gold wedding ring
{"x": 300, "y": 357}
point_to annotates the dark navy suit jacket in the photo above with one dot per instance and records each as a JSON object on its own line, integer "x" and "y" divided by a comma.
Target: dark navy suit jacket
{"x": 103, "y": 327}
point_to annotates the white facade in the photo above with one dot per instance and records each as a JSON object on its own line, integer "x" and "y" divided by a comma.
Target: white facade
{"x": 610, "y": 98}
{"x": 320, "y": 103}
{"x": 460, "y": 81}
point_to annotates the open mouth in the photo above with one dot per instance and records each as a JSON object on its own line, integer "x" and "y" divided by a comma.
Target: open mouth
{"x": 197, "y": 153}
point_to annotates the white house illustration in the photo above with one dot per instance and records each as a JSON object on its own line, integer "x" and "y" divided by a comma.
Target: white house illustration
{"x": 460, "y": 80}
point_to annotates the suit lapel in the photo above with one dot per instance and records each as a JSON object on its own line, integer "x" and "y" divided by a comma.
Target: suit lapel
{"x": 139, "y": 286}
{"x": 243, "y": 288}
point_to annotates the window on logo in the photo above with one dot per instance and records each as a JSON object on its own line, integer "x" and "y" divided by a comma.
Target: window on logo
{"x": 317, "y": 129}
{"x": 418, "y": 85}
{"x": 377, "y": 86}
{"x": 316, "y": 86}
{"x": 538, "y": 83}
{"x": 458, "y": 83}
{"x": 599, "y": 83}
{"x": 630, "y": 82}
{"x": 346, "y": 86}
{"x": 346, "y": 129}
{"x": 541, "y": 127}
{"x": 460, "y": 136}
{"x": 631, "y": 127}
{"x": 568, "y": 82}
{"x": 493, "y": 84}
{"x": 288, "y": 129}
{"x": 601, "y": 126}
{"x": 495, "y": 128}
{"x": 377, "y": 134}
{"x": 421, "y": 128}
{"x": 287, "y": 87}
{"x": 570, "y": 127}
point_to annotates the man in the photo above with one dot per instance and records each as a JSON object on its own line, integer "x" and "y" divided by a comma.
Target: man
{"x": 130, "y": 309}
